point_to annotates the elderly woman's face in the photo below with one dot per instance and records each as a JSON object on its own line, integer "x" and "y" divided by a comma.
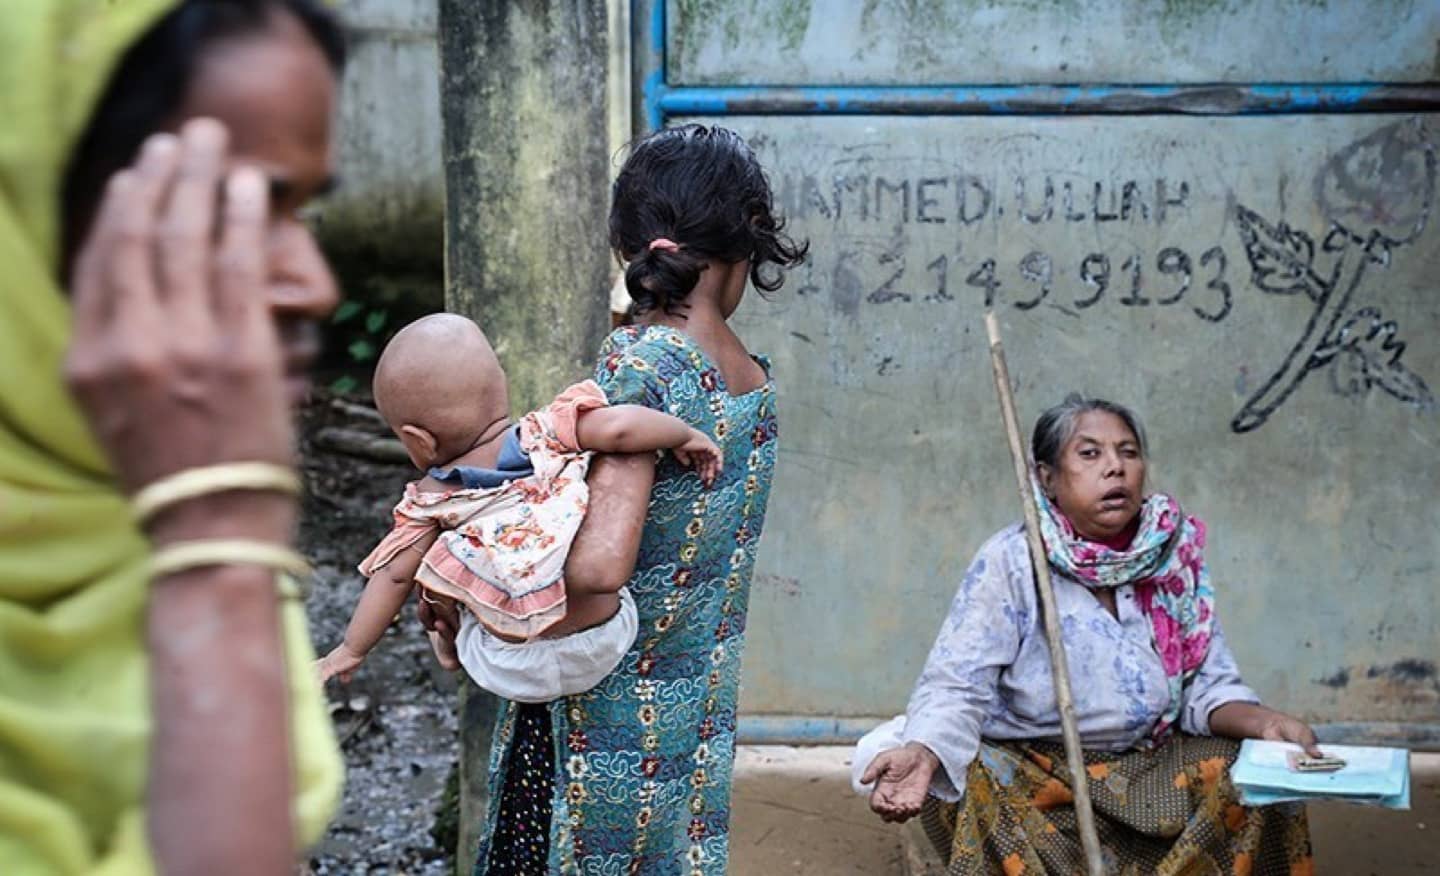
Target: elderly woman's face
{"x": 275, "y": 91}
{"x": 1100, "y": 476}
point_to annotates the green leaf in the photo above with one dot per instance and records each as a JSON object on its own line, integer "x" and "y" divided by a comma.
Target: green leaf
{"x": 347, "y": 311}
{"x": 361, "y": 350}
{"x": 376, "y": 321}
{"x": 344, "y": 384}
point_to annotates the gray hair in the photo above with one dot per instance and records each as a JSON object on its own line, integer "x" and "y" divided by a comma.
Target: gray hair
{"x": 1057, "y": 425}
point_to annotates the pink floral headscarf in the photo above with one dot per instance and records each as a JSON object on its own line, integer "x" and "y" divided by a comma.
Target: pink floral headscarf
{"x": 1165, "y": 562}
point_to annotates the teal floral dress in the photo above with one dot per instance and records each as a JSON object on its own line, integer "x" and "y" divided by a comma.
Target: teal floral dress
{"x": 635, "y": 778}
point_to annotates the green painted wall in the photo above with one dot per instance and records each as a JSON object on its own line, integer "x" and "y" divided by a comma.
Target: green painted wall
{"x": 976, "y": 42}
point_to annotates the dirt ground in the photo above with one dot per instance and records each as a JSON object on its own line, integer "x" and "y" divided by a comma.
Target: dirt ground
{"x": 795, "y": 815}
{"x": 396, "y": 720}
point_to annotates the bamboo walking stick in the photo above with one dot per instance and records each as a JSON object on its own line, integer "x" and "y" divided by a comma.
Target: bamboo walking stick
{"x": 1059, "y": 668}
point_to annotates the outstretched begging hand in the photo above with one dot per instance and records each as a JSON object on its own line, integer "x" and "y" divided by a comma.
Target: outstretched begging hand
{"x": 902, "y": 780}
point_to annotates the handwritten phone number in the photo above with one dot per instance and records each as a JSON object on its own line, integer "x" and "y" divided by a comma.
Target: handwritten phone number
{"x": 1211, "y": 298}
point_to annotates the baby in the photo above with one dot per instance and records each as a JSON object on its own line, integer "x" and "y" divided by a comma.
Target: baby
{"x": 491, "y": 523}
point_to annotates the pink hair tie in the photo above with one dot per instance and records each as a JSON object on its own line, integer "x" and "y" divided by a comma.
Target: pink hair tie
{"x": 663, "y": 243}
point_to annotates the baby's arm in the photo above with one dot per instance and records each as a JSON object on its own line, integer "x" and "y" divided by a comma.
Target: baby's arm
{"x": 383, "y": 597}
{"x": 636, "y": 429}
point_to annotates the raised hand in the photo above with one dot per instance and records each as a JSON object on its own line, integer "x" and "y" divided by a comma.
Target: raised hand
{"x": 175, "y": 359}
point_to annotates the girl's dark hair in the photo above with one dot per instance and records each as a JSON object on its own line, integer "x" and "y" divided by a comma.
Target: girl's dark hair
{"x": 150, "y": 82}
{"x": 1057, "y": 425}
{"x": 702, "y": 188}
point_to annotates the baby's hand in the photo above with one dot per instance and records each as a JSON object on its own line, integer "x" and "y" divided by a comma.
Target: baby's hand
{"x": 341, "y": 661}
{"x": 701, "y": 454}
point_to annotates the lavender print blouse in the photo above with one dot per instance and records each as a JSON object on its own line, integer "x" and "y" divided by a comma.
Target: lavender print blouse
{"x": 988, "y": 674}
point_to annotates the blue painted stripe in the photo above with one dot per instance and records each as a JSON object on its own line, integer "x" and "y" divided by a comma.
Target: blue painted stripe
{"x": 1218, "y": 99}
{"x": 654, "y": 89}
{"x": 657, "y": 27}
{"x": 802, "y": 729}
{"x": 654, "y": 79}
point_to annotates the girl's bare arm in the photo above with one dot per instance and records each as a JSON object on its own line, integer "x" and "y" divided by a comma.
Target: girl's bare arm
{"x": 603, "y": 555}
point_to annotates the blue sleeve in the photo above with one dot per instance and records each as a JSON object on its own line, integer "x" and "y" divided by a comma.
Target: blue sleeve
{"x": 631, "y": 376}
{"x": 1216, "y": 683}
{"x": 957, "y": 688}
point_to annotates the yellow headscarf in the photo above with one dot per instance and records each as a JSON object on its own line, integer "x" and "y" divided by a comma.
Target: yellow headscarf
{"x": 74, "y": 690}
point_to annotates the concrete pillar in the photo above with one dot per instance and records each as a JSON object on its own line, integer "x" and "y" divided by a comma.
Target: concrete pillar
{"x": 526, "y": 115}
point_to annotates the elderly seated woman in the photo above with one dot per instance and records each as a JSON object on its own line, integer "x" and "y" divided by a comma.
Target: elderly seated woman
{"x": 1158, "y": 698}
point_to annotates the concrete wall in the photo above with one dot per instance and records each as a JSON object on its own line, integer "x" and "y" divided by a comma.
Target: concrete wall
{"x": 389, "y": 209}
{"x": 384, "y": 226}
{"x": 1324, "y": 550}
{"x": 1261, "y": 289}
{"x": 1173, "y": 265}
{"x": 905, "y": 42}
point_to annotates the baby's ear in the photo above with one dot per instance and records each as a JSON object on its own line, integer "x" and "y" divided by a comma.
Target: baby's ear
{"x": 420, "y": 443}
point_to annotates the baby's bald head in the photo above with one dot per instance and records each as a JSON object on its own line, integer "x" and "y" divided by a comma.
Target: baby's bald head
{"x": 440, "y": 374}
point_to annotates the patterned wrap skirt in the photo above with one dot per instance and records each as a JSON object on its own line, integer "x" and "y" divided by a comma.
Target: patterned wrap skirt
{"x": 1167, "y": 811}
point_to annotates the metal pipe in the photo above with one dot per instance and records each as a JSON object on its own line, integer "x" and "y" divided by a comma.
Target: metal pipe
{"x": 664, "y": 99}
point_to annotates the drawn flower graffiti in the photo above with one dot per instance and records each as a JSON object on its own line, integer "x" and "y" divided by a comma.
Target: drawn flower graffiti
{"x": 1377, "y": 194}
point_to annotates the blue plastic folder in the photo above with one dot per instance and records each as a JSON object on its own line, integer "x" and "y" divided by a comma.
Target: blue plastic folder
{"x": 1371, "y": 776}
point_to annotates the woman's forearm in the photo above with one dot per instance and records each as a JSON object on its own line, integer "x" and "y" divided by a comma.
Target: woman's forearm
{"x": 219, "y": 795}
{"x": 1240, "y": 720}
{"x": 219, "y": 789}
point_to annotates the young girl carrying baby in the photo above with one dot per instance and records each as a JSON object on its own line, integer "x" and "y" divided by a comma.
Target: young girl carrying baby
{"x": 490, "y": 524}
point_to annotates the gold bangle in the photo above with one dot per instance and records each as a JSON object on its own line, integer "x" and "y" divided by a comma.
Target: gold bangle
{"x": 205, "y": 480}
{"x": 292, "y": 588}
{"x": 184, "y": 555}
